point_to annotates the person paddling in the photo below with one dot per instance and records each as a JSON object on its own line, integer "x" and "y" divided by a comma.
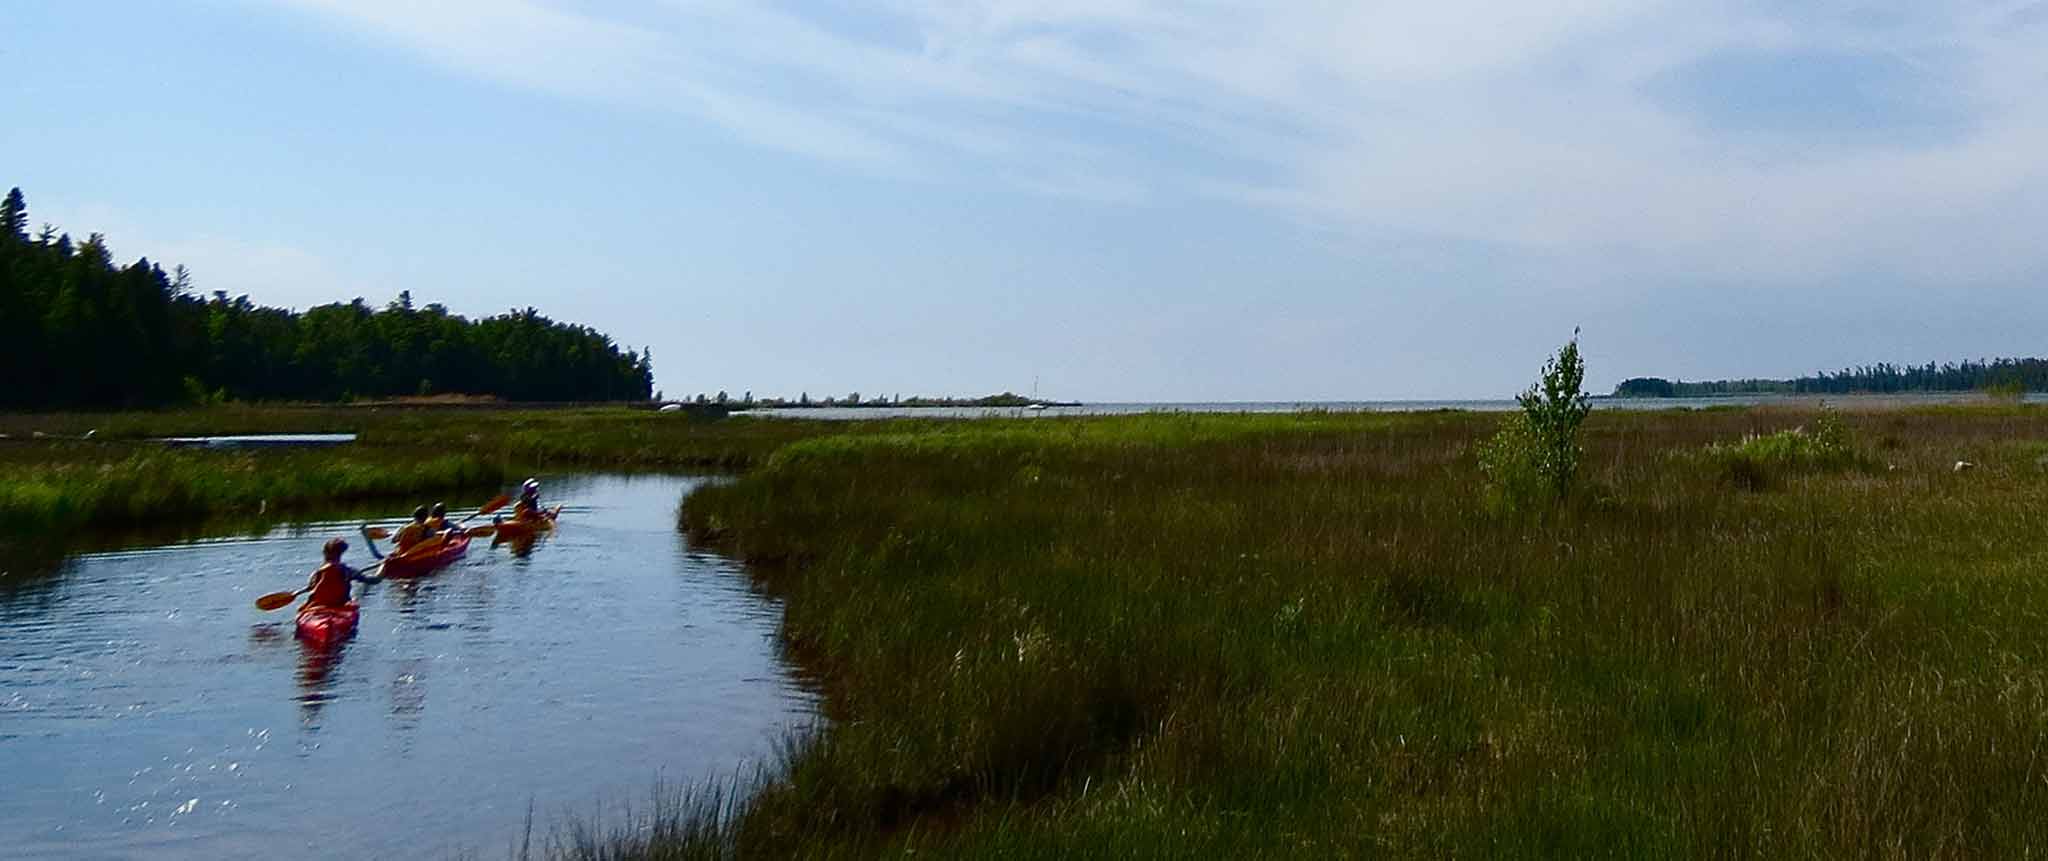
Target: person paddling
{"x": 328, "y": 587}
{"x": 437, "y": 519}
{"x": 528, "y": 506}
{"x": 414, "y": 532}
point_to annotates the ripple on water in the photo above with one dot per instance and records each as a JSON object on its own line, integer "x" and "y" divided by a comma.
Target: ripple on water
{"x": 150, "y": 711}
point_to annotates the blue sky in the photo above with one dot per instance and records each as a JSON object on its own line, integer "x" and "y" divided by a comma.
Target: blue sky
{"x": 1124, "y": 199}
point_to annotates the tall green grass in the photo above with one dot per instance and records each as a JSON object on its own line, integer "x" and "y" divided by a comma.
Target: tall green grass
{"x": 1299, "y": 635}
{"x": 593, "y": 436}
{"x": 60, "y": 483}
{"x": 67, "y": 494}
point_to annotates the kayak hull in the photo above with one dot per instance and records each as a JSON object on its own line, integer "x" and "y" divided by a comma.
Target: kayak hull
{"x": 424, "y": 560}
{"x": 516, "y": 529}
{"x": 326, "y": 626}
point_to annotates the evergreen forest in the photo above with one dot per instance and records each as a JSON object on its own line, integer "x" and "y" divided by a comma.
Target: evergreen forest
{"x": 78, "y": 330}
{"x": 2003, "y": 376}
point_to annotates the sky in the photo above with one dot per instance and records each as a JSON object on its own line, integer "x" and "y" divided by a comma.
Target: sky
{"x": 1110, "y": 200}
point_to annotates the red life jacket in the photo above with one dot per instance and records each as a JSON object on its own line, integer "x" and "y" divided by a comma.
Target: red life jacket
{"x": 330, "y": 587}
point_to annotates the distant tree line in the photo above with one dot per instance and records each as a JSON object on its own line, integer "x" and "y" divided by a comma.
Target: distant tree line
{"x": 854, "y": 399}
{"x": 77, "y": 330}
{"x": 2003, "y": 375}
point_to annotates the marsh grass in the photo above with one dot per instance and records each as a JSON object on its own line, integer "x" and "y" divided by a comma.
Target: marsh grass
{"x": 679, "y": 822}
{"x": 59, "y": 484}
{"x": 66, "y": 494}
{"x": 1760, "y": 461}
{"x": 1259, "y": 635}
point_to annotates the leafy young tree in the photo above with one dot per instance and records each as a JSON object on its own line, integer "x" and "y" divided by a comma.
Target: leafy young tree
{"x": 1554, "y": 408}
{"x": 1535, "y": 455}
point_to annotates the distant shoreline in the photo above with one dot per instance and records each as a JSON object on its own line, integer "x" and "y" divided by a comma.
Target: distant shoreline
{"x": 1695, "y": 396}
{"x": 921, "y": 405}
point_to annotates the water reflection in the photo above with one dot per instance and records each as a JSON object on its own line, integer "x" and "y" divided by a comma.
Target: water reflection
{"x": 315, "y": 664}
{"x": 521, "y": 547}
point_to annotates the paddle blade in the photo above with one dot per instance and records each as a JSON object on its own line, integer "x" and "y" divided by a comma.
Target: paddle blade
{"x": 275, "y": 600}
{"x": 500, "y": 501}
{"x": 481, "y": 531}
{"x": 377, "y": 532}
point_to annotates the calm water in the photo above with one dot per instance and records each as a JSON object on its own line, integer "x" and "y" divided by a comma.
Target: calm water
{"x": 1497, "y": 405}
{"x": 148, "y": 710}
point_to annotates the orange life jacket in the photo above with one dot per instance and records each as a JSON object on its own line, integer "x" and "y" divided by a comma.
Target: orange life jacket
{"x": 330, "y": 587}
{"x": 412, "y": 534}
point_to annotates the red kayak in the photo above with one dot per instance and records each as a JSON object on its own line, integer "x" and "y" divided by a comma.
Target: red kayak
{"x": 324, "y": 626}
{"x": 426, "y": 558}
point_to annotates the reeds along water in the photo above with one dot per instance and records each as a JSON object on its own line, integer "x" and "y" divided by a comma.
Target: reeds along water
{"x": 106, "y": 489}
{"x": 1291, "y": 634}
{"x": 61, "y": 482}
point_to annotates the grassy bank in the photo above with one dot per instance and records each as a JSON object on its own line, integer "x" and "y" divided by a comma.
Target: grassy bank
{"x": 53, "y": 482}
{"x": 70, "y": 493}
{"x": 593, "y": 436}
{"x": 1232, "y": 634}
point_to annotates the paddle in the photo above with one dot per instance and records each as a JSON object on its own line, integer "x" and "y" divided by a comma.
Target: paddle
{"x": 497, "y": 502}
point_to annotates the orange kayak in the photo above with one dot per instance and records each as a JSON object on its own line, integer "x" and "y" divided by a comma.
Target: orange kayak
{"x": 426, "y": 558}
{"x": 517, "y": 528}
{"x": 325, "y": 626}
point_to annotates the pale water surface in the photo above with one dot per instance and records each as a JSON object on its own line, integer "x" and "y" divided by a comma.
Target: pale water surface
{"x": 1494, "y": 405}
{"x": 147, "y": 710}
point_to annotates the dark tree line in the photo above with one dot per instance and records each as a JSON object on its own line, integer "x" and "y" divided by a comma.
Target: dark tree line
{"x": 77, "y": 330}
{"x": 1881, "y": 378}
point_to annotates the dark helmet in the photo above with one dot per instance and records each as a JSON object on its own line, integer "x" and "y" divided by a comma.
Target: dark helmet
{"x": 419, "y": 513}
{"x": 532, "y": 485}
{"x": 334, "y": 548}
{"x": 440, "y": 509}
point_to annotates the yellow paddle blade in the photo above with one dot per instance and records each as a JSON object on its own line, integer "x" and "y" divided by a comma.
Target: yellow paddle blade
{"x": 481, "y": 531}
{"x": 500, "y": 501}
{"x": 275, "y": 600}
{"x": 378, "y": 532}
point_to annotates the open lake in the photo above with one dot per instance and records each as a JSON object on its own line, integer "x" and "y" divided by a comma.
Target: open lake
{"x": 148, "y": 710}
{"x": 1493, "y": 405}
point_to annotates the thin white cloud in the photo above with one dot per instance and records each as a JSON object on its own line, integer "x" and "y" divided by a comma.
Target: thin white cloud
{"x": 270, "y": 272}
{"x": 1540, "y": 127}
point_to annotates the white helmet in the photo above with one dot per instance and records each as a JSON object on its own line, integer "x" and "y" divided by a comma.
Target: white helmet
{"x": 531, "y": 484}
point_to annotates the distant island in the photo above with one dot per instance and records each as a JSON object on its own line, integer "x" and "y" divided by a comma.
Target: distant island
{"x": 856, "y": 400}
{"x": 2006, "y": 377}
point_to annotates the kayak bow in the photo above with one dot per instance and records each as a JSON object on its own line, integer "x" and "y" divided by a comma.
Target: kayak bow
{"x": 324, "y": 626}
{"x": 426, "y": 557}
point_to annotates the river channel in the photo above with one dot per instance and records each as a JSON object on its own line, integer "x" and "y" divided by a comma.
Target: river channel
{"x": 148, "y": 710}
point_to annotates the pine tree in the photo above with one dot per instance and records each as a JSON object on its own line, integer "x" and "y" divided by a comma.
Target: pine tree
{"x": 14, "y": 216}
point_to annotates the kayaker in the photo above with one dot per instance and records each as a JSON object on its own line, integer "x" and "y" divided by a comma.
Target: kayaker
{"x": 528, "y": 506}
{"x": 414, "y": 532}
{"x": 329, "y": 583}
{"x": 437, "y": 519}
